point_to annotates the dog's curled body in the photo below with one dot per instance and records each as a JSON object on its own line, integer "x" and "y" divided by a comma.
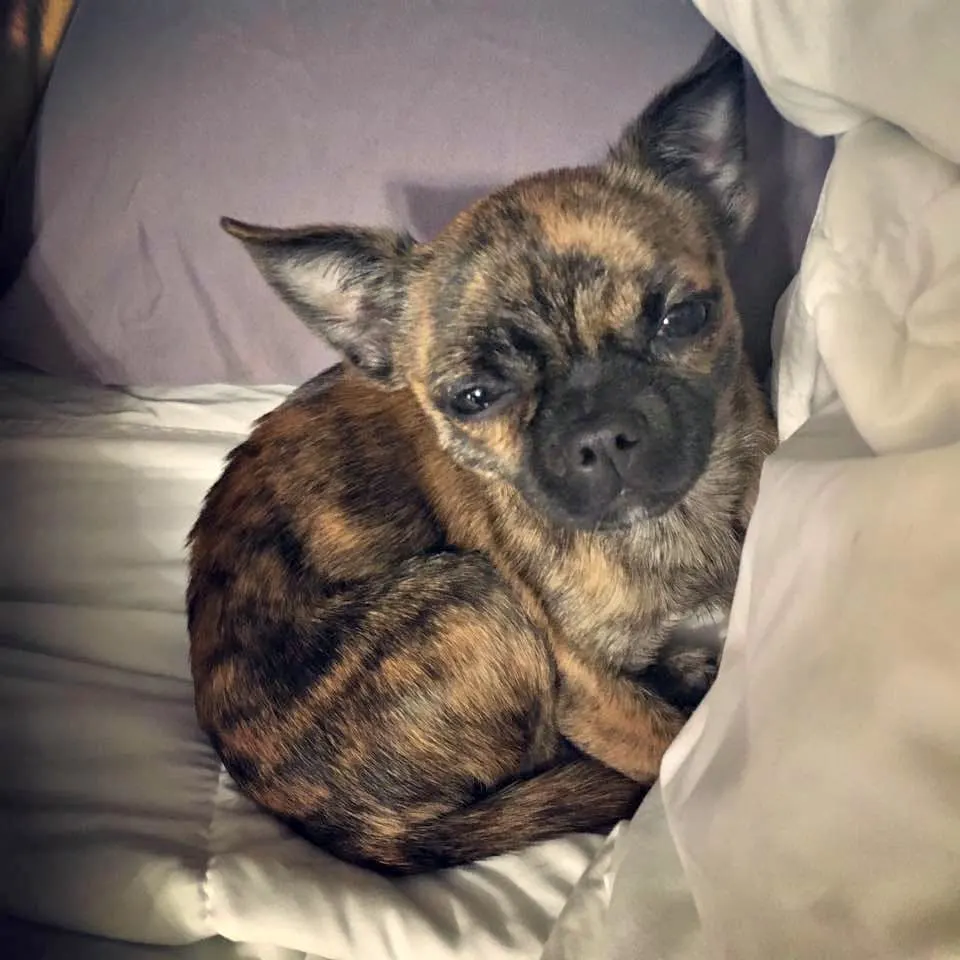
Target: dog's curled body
{"x": 426, "y": 628}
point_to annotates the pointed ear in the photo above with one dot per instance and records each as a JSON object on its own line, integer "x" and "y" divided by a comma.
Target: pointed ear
{"x": 347, "y": 284}
{"x": 693, "y": 134}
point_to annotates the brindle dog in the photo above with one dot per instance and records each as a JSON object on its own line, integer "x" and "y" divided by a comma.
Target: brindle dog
{"x": 431, "y": 596}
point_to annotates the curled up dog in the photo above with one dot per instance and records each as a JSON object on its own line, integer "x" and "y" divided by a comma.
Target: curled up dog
{"x": 432, "y": 596}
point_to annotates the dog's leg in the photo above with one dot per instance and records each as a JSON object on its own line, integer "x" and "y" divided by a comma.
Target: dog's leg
{"x": 622, "y": 723}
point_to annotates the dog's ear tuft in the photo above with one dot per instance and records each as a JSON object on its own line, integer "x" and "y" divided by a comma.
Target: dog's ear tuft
{"x": 693, "y": 134}
{"x": 347, "y": 284}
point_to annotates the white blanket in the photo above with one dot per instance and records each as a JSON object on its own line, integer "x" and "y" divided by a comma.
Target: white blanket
{"x": 117, "y": 818}
{"x": 809, "y": 810}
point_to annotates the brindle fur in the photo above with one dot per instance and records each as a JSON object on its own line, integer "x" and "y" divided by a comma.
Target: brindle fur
{"x": 401, "y": 645}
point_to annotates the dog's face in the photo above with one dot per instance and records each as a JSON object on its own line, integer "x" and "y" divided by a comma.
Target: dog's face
{"x": 571, "y": 335}
{"x": 574, "y": 333}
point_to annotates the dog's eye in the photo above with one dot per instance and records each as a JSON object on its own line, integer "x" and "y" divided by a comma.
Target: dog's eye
{"x": 685, "y": 320}
{"x": 474, "y": 399}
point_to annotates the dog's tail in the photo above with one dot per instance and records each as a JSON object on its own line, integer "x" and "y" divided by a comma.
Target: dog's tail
{"x": 578, "y": 796}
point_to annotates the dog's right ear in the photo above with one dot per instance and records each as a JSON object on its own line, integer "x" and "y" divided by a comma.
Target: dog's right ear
{"x": 347, "y": 284}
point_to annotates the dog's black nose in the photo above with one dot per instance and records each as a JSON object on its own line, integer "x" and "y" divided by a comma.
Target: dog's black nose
{"x": 604, "y": 452}
{"x": 594, "y": 461}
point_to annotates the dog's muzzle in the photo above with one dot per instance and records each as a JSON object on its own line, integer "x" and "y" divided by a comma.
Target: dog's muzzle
{"x": 614, "y": 439}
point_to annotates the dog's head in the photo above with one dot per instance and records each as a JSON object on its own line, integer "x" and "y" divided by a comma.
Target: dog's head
{"x": 573, "y": 333}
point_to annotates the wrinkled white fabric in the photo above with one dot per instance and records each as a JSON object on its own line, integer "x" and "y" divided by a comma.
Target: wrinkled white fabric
{"x": 810, "y": 802}
{"x": 118, "y": 820}
{"x": 873, "y": 311}
{"x": 810, "y": 805}
{"x": 829, "y": 65}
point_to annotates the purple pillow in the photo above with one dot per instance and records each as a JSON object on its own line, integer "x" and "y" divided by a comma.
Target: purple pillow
{"x": 161, "y": 117}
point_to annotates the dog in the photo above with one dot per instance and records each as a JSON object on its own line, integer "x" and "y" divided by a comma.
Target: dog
{"x": 431, "y": 597}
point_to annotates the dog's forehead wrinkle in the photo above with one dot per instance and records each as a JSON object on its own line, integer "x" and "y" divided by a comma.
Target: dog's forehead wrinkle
{"x": 521, "y": 349}
{"x": 555, "y": 267}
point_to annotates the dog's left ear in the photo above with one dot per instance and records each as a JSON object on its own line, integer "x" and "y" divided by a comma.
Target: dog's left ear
{"x": 693, "y": 134}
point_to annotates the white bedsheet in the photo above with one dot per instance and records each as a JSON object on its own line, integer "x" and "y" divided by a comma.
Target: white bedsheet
{"x": 809, "y": 808}
{"x": 116, "y": 818}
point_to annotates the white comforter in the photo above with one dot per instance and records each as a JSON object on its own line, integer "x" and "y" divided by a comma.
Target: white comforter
{"x": 809, "y": 808}
{"x": 118, "y": 820}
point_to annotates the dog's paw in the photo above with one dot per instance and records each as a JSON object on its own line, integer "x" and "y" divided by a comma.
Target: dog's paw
{"x": 686, "y": 674}
{"x": 696, "y": 667}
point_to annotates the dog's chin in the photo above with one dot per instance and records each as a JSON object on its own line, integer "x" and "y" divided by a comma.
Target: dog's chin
{"x": 628, "y": 510}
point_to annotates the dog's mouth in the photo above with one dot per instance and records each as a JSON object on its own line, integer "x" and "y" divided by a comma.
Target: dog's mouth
{"x": 631, "y": 507}
{"x": 628, "y": 508}
{"x": 632, "y": 504}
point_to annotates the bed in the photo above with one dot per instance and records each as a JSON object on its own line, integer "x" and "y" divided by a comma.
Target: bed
{"x": 808, "y": 808}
